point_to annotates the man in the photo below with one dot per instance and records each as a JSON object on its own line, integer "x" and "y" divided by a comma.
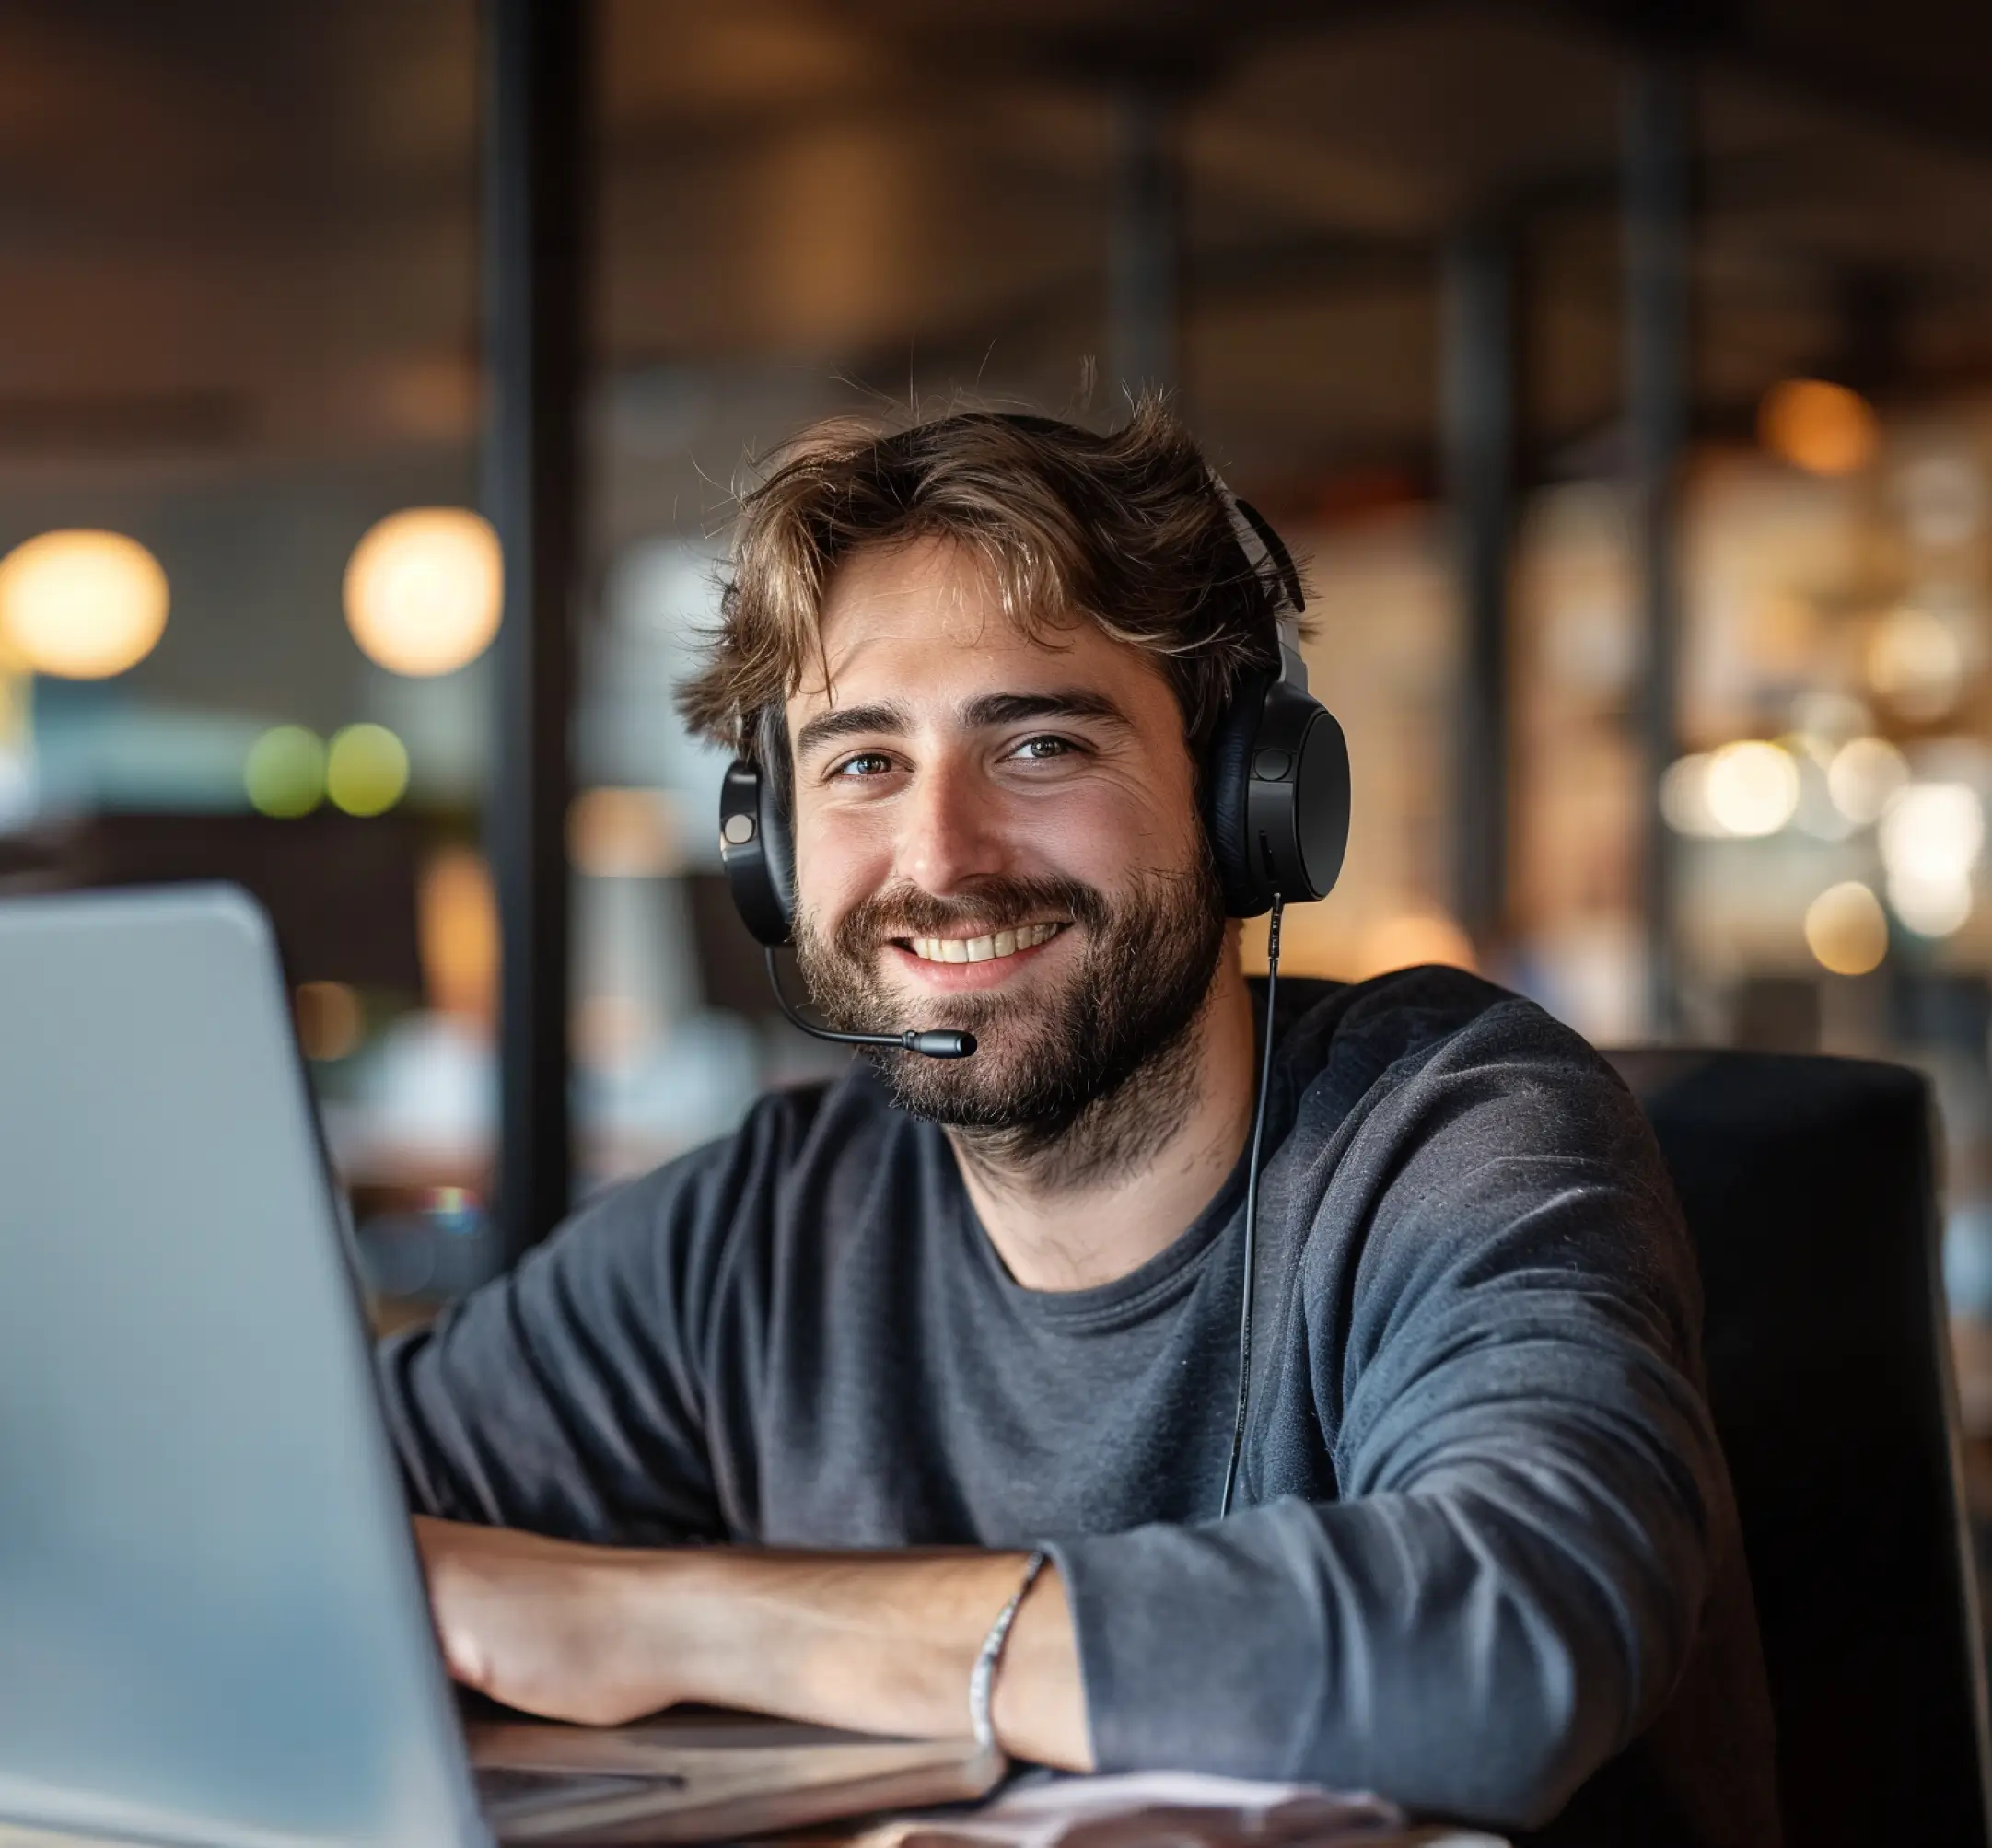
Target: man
{"x": 705, "y": 1445}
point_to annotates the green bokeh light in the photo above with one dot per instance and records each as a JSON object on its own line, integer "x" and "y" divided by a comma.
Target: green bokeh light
{"x": 367, "y": 772}
{"x": 285, "y": 772}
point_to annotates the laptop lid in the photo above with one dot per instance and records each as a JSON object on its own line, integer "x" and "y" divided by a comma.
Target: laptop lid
{"x": 212, "y": 1624}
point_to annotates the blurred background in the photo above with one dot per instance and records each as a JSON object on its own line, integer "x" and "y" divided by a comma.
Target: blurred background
{"x": 378, "y": 374}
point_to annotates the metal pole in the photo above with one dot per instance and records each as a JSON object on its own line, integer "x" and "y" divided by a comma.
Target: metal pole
{"x": 1145, "y": 239}
{"x": 534, "y": 200}
{"x": 1657, "y": 161}
{"x": 1479, "y": 365}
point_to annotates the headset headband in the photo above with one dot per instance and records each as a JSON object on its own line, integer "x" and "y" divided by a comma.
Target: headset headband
{"x": 1272, "y": 565}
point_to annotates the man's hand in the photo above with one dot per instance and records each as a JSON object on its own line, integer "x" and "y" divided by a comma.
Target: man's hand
{"x": 572, "y": 1633}
{"x": 879, "y": 1641}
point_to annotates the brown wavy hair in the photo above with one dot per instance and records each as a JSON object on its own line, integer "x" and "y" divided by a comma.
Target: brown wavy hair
{"x": 1126, "y": 529}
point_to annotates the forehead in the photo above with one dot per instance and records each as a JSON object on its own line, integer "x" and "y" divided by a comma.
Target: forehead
{"x": 930, "y": 611}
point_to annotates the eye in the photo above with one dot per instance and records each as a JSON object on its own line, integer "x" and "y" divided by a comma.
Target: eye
{"x": 863, "y": 763}
{"x": 1044, "y": 747}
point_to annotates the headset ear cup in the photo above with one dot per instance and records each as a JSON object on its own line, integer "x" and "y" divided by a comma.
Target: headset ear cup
{"x": 755, "y": 852}
{"x": 1227, "y": 768}
{"x": 1321, "y": 803}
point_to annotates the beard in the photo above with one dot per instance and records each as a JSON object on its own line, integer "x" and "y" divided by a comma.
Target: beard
{"x": 1074, "y": 1079}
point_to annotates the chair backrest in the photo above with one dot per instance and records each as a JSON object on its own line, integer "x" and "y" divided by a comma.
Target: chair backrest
{"x": 1809, "y": 1185}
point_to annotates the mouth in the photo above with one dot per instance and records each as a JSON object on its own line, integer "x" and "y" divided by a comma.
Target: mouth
{"x": 993, "y": 946}
{"x": 968, "y": 965}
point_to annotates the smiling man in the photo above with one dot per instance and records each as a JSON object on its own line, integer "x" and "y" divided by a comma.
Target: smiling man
{"x": 787, "y": 1424}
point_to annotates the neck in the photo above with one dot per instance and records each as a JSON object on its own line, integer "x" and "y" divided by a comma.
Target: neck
{"x": 1065, "y": 1218}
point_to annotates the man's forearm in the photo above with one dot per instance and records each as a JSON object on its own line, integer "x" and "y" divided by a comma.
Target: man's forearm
{"x": 881, "y": 1642}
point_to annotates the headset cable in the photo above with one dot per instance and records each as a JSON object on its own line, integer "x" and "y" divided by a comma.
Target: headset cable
{"x": 1251, "y": 1262}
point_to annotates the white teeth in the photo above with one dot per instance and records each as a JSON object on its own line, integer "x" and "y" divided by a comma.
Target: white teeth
{"x": 982, "y": 948}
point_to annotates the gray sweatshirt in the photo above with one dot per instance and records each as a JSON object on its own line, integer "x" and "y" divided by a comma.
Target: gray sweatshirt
{"x": 1484, "y": 1557}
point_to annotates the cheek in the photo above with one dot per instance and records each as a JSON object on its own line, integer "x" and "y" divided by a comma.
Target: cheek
{"x": 839, "y": 860}
{"x": 1118, "y": 828}
{"x": 1156, "y": 805}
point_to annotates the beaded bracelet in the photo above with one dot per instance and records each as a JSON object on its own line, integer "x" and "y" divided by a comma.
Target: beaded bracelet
{"x": 982, "y": 1677}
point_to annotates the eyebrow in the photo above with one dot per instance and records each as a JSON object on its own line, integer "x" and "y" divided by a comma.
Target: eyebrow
{"x": 846, "y": 721}
{"x": 995, "y": 709}
{"x": 986, "y": 710}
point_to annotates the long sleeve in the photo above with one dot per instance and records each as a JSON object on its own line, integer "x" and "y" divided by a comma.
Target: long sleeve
{"x": 1502, "y": 1583}
{"x": 579, "y": 1395}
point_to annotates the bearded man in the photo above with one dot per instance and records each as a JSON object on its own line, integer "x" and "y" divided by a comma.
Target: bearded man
{"x": 783, "y": 1426}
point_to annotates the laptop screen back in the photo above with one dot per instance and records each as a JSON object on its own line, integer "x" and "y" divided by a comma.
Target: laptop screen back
{"x": 212, "y": 1627}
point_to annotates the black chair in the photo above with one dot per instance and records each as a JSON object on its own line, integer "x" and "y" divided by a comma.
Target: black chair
{"x": 1810, "y": 1190}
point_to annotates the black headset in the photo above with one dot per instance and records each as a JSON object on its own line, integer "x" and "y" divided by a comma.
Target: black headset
{"x": 1274, "y": 782}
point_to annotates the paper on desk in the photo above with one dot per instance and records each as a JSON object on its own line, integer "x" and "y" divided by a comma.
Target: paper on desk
{"x": 1153, "y": 1810}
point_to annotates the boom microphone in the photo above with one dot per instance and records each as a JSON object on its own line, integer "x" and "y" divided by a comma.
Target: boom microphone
{"x": 939, "y": 1042}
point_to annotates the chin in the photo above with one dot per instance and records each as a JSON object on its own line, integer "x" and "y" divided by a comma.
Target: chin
{"x": 994, "y": 1014}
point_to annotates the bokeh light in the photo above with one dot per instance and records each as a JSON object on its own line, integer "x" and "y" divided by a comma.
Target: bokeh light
{"x": 366, "y": 770}
{"x": 1684, "y": 798}
{"x": 1916, "y": 662}
{"x": 457, "y": 923}
{"x": 285, "y": 774}
{"x": 1933, "y": 828}
{"x": 1932, "y": 907}
{"x": 425, "y": 590}
{"x": 1818, "y": 426}
{"x": 1751, "y": 788}
{"x": 622, "y": 833}
{"x": 329, "y": 1019}
{"x": 82, "y": 605}
{"x": 1864, "y": 775}
{"x": 1846, "y": 929}
{"x": 1930, "y": 837}
{"x": 1817, "y": 814}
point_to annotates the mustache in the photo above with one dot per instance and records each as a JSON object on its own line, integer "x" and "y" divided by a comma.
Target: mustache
{"x": 999, "y": 901}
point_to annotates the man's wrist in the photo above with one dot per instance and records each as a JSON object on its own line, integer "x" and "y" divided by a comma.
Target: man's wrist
{"x": 668, "y": 1616}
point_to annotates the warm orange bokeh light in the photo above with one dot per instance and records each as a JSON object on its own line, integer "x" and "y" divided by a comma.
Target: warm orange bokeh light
{"x": 329, "y": 1019}
{"x": 458, "y": 923}
{"x": 622, "y": 833}
{"x": 1818, "y": 426}
{"x": 1846, "y": 929}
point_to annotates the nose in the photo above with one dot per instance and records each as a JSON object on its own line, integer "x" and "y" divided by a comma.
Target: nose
{"x": 950, "y": 832}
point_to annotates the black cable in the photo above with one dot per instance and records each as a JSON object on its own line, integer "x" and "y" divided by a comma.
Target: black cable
{"x": 935, "y": 1042}
{"x": 1252, "y": 1209}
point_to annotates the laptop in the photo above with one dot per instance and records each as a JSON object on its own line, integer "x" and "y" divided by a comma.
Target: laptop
{"x": 213, "y": 1627}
